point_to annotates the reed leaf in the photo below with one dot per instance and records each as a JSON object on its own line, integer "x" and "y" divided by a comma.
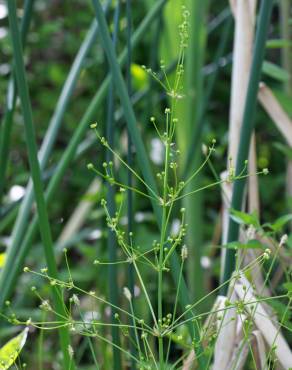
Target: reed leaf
{"x": 10, "y": 101}
{"x": 36, "y": 174}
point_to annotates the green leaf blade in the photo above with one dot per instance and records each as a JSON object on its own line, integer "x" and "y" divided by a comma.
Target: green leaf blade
{"x": 11, "y": 350}
{"x": 274, "y": 71}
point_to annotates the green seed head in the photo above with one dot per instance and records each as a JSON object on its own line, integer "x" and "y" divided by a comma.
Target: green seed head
{"x": 93, "y": 125}
{"x": 265, "y": 171}
{"x": 90, "y": 166}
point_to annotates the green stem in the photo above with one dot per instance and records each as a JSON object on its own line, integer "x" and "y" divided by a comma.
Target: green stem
{"x": 285, "y": 7}
{"x": 195, "y": 55}
{"x": 41, "y": 344}
{"x": 160, "y": 288}
{"x": 10, "y": 102}
{"x": 161, "y": 255}
{"x": 130, "y": 209}
{"x": 175, "y": 308}
{"x": 246, "y": 131}
{"x": 111, "y": 242}
{"x": 36, "y": 173}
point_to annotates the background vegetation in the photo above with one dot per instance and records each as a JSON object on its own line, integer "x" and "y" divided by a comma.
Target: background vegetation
{"x": 67, "y": 67}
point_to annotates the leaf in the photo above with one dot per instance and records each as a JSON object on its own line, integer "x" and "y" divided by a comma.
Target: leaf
{"x": 244, "y": 218}
{"x": 280, "y": 309}
{"x": 284, "y": 149}
{"x": 278, "y": 43}
{"x": 284, "y": 99}
{"x": 279, "y": 223}
{"x": 10, "y": 350}
{"x": 288, "y": 286}
{"x": 276, "y": 72}
{"x": 251, "y": 244}
{"x": 2, "y": 259}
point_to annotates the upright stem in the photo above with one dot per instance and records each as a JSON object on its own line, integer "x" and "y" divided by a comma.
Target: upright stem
{"x": 111, "y": 242}
{"x": 130, "y": 209}
{"x": 286, "y": 34}
{"x": 246, "y": 131}
{"x": 10, "y": 102}
{"x": 161, "y": 252}
{"x": 36, "y": 174}
{"x": 130, "y": 149}
{"x": 190, "y": 112}
{"x": 285, "y": 7}
{"x": 164, "y": 227}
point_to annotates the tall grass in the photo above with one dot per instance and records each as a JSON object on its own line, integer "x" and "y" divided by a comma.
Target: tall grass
{"x": 11, "y": 100}
{"x": 44, "y": 225}
{"x": 195, "y": 58}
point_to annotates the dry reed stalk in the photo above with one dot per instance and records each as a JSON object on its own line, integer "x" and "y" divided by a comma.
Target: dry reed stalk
{"x": 226, "y": 199}
{"x": 276, "y": 112}
{"x": 253, "y": 184}
{"x": 262, "y": 321}
{"x": 284, "y": 124}
{"x": 210, "y": 324}
{"x": 259, "y": 353}
{"x": 281, "y": 120}
{"x": 244, "y": 14}
{"x": 226, "y": 341}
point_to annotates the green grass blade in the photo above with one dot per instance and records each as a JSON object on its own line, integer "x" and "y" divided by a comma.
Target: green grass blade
{"x": 195, "y": 55}
{"x": 246, "y": 131}
{"x": 195, "y": 216}
{"x": 35, "y": 170}
{"x": 195, "y": 142}
{"x": 156, "y": 32}
{"x": 8, "y": 217}
{"x": 10, "y": 102}
{"x": 5, "y": 138}
{"x": 286, "y": 53}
